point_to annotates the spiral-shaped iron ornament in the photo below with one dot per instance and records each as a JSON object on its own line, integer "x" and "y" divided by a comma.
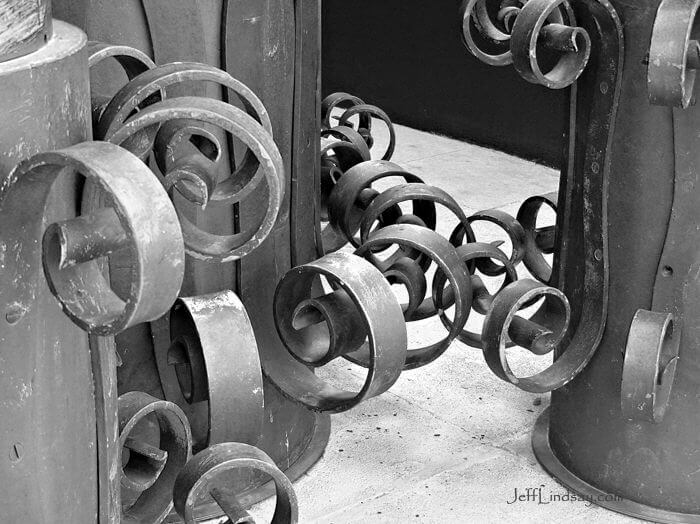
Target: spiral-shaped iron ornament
{"x": 514, "y": 31}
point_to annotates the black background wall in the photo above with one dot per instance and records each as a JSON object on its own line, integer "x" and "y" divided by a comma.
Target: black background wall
{"x": 407, "y": 57}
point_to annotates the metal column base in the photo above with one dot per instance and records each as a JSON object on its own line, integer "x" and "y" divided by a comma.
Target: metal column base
{"x": 549, "y": 461}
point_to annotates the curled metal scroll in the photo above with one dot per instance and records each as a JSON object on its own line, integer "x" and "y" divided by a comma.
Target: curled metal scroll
{"x": 131, "y": 60}
{"x": 141, "y": 91}
{"x": 438, "y": 250}
{"x": 139, "y": 220}
{"x": 583, "y": 199}
{"x": 674, "y": 55}
{"x": 355, "y": 107}
{"x": 651, "y": 358}
{"x": 482, "y": 300}
{"x": 156, "y": 444}
{"x": 539, "y": 241}
{"x": 212, "y": 369}
{"x": 514, "y": 31}
{"x": 199, "y": 243}
{"x": 502, "y": 325}
{"x": 359, "y": 311}
{"x": 202, "y": 474}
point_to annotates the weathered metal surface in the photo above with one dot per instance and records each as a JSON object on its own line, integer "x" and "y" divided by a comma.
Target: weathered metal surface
{"x": 156, "y": 444}
{"x": 587, "y": 438}
{"x": 674, "y": 54}
{"x": 651, "y": 359}
{"x": 132, "y": 61}
{"x": 572, "y": 44}
{"x": 25, "y": 26}
{"x": 199, "y": 243}
{"x": 316, "y": 329}
{"x": 202, "y": 475}
{"x": 305, "y": 171}
{"x": 212, "y": 369}
{"x": 141, "y": 220}
{"x": 275, "y": 50}
{"x": 582, "y": 222}
{"x": 48, "y": 398}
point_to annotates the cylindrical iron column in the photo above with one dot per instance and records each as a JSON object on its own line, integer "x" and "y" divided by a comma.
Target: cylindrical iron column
{"x": 48, "y": 445}
{"x": 610, "y": 434}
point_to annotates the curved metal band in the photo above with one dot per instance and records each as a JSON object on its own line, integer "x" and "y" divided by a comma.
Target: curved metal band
{"x": 473, "y": 13}
{"x": 673, "y": 54}
{"x": 366, "y": 113}
{"x": 214, "y": 330}
{"x": 344, "y": 209}
{"x": 581, "y": 257}
{"x": 496, "y": 336}
{"x": 154, "y": 504}
{"x": 384, "y": 325}
{"x": 445, "y": 296}
{"x": 136, "y": 92}
{"x": 423, "y": 197}
{"x": 201, "y": 244}
{"x": 133, "y": 61}
{"x": 437, "y": 250}
{"x": 339, "y": 100}
{"x": 515, "y": 233}
{"x": 573, "y": 43}
{"x": 142, "y": 212}
{"x": 651, "y": 358}
{"x": 201, "y": 477}
{"x": 339, "y": 134}
{"x": 141, "y": 91}
{"x": 534, "y": 254}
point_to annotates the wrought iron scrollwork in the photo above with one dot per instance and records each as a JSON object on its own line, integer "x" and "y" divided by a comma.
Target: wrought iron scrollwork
{"x": 504, "y": 32}
{"x": 138, "y": 222}
{"x": 184, "y": 134}
{"x": 203, "y": 476}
